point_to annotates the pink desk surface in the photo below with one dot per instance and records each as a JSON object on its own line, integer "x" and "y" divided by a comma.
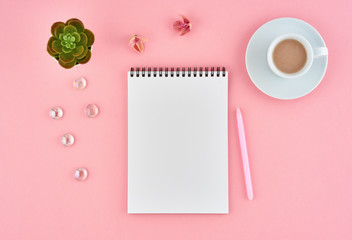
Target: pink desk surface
{"x": 300, "y": 150}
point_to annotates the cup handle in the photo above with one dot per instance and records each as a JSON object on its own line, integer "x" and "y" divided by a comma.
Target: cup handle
{"x": 320, "y": 51}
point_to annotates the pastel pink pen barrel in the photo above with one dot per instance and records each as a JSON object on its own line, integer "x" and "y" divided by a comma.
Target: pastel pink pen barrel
{"x": 244, "y": 153}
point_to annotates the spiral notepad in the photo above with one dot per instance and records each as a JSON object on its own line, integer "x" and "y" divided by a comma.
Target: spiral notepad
{"x": 177, "y": 140}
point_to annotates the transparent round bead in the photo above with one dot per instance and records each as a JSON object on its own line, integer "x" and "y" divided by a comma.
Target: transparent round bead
{"x": 80, "y": 83}
{"x": 81, "y": 174}
{"x": 56, "y": 113}
{"x": 92, "y": 110}
{"x": 67, "y": 140}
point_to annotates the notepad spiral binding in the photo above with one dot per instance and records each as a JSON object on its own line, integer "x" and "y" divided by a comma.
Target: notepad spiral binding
{"x": 178, "y": 72}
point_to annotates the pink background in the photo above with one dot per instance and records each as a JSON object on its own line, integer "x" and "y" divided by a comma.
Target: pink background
{"x": 300, "y": 150}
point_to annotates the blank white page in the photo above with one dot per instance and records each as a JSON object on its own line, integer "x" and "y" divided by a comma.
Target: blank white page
{"x": 177, "y": 144}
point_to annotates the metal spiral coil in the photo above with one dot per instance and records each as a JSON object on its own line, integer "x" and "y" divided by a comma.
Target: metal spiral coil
{"x": 177, "y": 72}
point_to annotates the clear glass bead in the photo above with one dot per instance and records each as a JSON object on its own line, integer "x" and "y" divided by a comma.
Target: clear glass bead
{"x": 92, "y": 110}
{"x": 81, "y": 174}
{"x": 56, "y": 113}
{"x": 67, "y": 140}
{"x": 80, "y": 83}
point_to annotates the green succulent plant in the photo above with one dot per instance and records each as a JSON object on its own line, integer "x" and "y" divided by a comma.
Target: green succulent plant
{"x": 70, "y": 43}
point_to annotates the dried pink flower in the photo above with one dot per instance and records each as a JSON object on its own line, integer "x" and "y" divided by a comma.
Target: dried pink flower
{"x": 183, "y": 26}
{"x": 136, "y": 42}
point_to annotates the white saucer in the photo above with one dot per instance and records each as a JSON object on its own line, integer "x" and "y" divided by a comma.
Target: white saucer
{"x": 257, "y": 66}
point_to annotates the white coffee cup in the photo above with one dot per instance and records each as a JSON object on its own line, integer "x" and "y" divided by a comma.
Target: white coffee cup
{"x": 311, "y": 54}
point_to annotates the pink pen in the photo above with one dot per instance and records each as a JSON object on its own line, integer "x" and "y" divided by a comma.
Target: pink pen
{"x": 242, "y": 137}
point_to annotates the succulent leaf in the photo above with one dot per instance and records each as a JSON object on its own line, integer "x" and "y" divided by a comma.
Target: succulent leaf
{"x": 50, "y": 44}
{"x": 77, "y": 51}
{"x": 90, "y": 36}
{"x": 86, "y": 58}
{"x": 56, "y": 28}
{"x": 66, "y": 57}
{"x": 69, "y": 29}
{"x": 56, "y": 46}
{"x": 84, "y": 53}
{"x": 51, "y": 52}
{"x": 68, "y": 65}
{"x": 66, "y": 50}
{"x": 77, "y": 37}
{"x": 84, "y": 39}
{"x": 76, "y": 23}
